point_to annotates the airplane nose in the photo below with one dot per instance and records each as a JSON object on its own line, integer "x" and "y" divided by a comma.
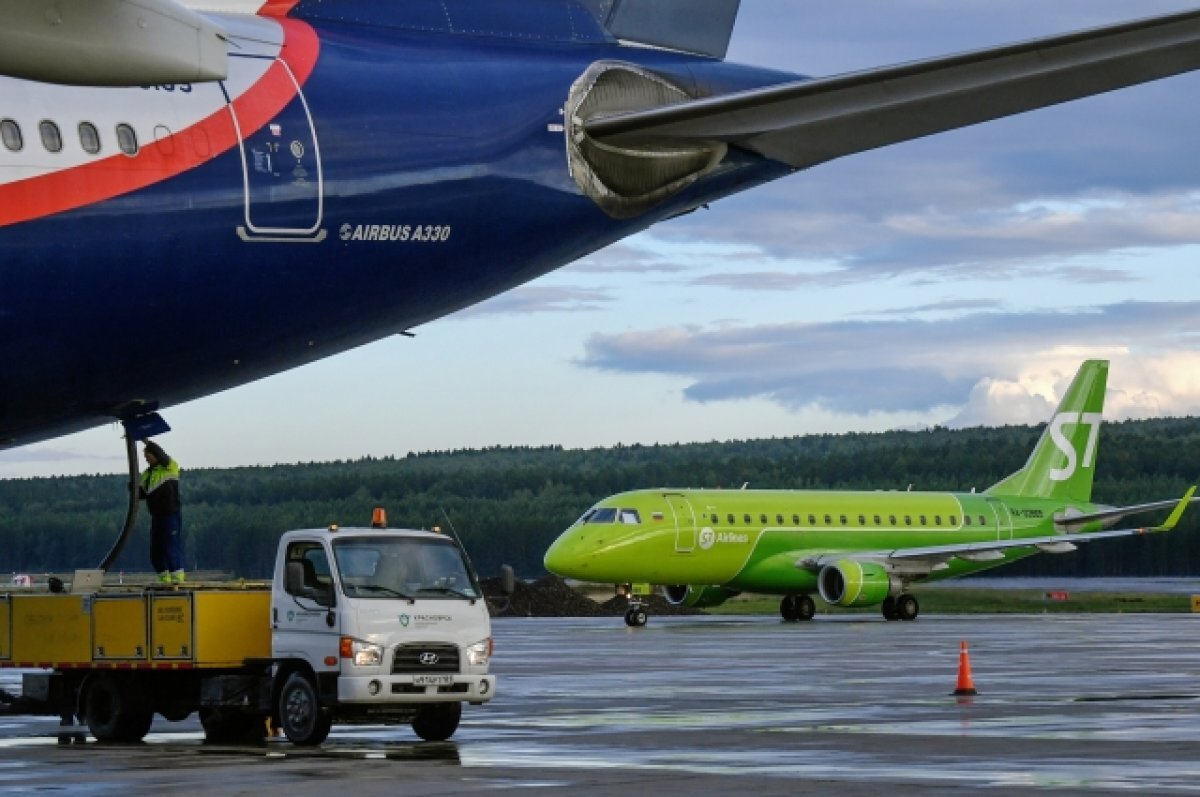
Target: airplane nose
{"x": 561, "y": 557}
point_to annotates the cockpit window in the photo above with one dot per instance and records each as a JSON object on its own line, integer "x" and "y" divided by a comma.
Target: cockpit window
{"x": 631, "y": 517}
{"x": 603, "y": 515}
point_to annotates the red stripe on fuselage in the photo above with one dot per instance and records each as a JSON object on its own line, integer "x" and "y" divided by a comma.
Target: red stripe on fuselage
{"x": 78, "y": 186}
{"x": 277, "y": 8}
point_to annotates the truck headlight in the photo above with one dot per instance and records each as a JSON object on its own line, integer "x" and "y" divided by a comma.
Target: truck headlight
{"x": 479, "y": 653}
{"x": 363, "y": 654}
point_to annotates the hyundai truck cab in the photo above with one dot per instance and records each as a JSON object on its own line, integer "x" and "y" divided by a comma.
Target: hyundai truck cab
{"x": 378, "y": 625}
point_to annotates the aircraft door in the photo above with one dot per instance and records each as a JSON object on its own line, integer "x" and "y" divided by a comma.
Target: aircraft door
{"x": 1003, "y": 519}
{"x": 685, "y": 522}
{"x": 281, "y": 172}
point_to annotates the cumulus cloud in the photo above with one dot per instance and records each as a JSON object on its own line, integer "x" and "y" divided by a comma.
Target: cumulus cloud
{"x": 998, "y": 367}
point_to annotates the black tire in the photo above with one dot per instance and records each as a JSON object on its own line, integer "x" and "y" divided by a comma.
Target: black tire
{"x": 437, "y": 722}
{"x": 116, "y": 711}
{"x": 640, "y": 617}
{"x": 227, "y": 726}
{"x": 907, "y": 607}
{"x": 889, "y": 608}
{"x": 806, "y": 608}
{"x": 788, "y": 609}
{"x": 301, "y": 716}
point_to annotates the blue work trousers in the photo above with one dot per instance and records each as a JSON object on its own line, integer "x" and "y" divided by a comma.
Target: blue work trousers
{"x": 166, "y": 542}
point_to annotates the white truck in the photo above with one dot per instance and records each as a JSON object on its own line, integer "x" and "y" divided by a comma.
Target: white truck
{"x": 358, "y": 625}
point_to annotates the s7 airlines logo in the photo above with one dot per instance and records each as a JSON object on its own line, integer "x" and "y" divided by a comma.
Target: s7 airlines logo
{"x": 1089, "y": 419}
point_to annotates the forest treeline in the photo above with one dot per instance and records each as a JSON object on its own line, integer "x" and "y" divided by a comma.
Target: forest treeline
{"x": 509, "y": 503}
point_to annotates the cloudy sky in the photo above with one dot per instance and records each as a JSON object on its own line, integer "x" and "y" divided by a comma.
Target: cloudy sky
{"x": 955, "y": 280}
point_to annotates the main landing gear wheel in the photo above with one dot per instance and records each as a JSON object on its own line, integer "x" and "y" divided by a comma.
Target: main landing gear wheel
{"x": 797, "y": 608}
{"x": 907, "y": 607}
{"x": 889, "y": 608}
{"x": 636, "y": 617}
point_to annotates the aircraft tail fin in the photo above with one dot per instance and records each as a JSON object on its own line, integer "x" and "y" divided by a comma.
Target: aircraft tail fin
{"x": 696, "y": 26}
{"x": 1064, "y": 460}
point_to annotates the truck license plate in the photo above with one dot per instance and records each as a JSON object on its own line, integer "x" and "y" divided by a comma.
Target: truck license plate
{"x": 433, "y": 680}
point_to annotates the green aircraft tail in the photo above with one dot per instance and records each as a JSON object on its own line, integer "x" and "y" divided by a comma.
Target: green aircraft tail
{"x": 1064, "y": 460}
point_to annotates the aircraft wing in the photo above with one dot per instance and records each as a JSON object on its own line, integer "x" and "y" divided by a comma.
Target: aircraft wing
{"x": 925, "y": 559}
{"x": 810, "y": 122}
{"x": 1073, "y": 522}
{"x": 109, "y": 43}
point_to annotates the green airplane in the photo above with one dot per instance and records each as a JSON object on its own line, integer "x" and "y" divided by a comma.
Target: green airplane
{"x": 852, "y": 548}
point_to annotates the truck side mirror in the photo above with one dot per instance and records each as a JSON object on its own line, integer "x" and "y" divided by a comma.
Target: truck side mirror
{"x": 293, "y": 578}
{"x": 508, "y": 580}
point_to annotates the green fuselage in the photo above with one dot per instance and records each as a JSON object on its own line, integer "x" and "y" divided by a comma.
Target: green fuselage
{"x": 757, "y": 540}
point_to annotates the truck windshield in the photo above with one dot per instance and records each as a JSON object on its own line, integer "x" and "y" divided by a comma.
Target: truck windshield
{"x": 403, "y": 567}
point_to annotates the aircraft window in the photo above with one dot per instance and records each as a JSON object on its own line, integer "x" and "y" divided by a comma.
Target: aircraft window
{"x": 795, "y": 520}
{"x": 862, "y": 520}
{"x": 828, "y": 520}
{"x": 762, "y": 519}
{"x": 779, "y": 519}
{"x": 10, "y": 131}
{"x": 982, "y": 522}
{"x": 51, "y": 137}
{"x": 606, "y": 515}
{"x": 891, "y": 520}
{"x": 908, "y": 520}
{"x": 937, "y": 520}
{"x": 631, "y": 517}
{"x": 747, "y": 519}
{"x": 89, "y": 138}
{"x": 878, "y": 521}
{"x": 812, "y": 520}
{"x": 953, "y": 520}
{"x": 966, "y": 519}
{"x": 586, "y": 516}
{"x": 127, "y": 139}
{"x": 731, "y": 520}
{"x": 842, "y": 519}
{"x": 924, "y": 522}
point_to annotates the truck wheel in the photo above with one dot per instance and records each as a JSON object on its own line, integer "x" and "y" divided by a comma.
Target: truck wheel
{"x": 437, "y": 722}
{"x": 226, "y": 726}
{"x": 115, "y": 711}
{"x": 303, "y": 720}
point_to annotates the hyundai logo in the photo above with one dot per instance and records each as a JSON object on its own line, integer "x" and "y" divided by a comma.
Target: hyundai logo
{"x": 429, "y": 659}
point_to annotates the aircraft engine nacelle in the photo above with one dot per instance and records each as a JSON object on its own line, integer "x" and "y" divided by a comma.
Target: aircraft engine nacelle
{"x": 850, "y": 583}
{"x": 626, "y": 181}
{"x": 697, "y": 597}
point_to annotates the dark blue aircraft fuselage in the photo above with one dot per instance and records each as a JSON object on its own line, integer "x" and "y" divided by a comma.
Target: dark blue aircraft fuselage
{"x": 445, "y": 182}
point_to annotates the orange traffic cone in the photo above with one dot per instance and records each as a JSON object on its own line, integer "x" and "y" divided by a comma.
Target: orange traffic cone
{"x": 966, "y": 686}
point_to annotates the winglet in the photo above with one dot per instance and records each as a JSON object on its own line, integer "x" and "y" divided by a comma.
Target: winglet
{"x": 1177, "y": 512}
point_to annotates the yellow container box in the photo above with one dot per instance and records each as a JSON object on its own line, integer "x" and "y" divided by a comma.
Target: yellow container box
{"x": 119, "y": 628}
{"x": 5, "y": 628}
{"x": 231, "y": 627}
{"x": 51, "y": 629}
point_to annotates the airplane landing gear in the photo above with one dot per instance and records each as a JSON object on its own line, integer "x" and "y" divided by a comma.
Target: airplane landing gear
{"x": 797, "y": 608}
{"x": 636, "y": 616}
{"x": 900, "y": 607}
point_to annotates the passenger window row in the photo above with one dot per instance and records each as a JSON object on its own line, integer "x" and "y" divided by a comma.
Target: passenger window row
{"x": 52, "y": 139}
{"x": 843, "y": 520}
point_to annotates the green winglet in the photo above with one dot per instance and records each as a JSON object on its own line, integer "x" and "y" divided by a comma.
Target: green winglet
{"x": 1177, "y": 512}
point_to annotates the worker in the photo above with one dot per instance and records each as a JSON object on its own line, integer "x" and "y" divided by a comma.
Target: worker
{"x": 160, "y": 489}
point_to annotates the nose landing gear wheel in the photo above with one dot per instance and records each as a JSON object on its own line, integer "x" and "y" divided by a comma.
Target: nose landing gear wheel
{"x": 636, "y": 617}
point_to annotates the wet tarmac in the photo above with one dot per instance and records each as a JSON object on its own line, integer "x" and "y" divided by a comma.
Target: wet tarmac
{"x": 1095, "y": 704}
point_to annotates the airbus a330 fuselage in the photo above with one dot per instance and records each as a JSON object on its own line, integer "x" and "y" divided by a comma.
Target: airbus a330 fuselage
{"x": 341, "y": 170}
